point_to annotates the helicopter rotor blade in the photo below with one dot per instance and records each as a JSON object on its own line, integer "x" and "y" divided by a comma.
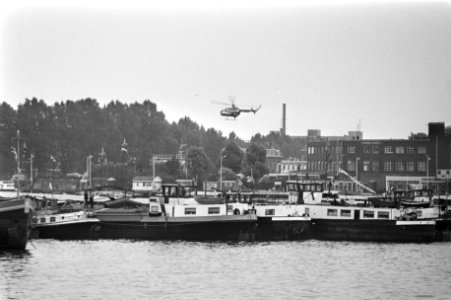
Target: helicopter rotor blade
{"x": 219, "y": 102}
{"x": 232, "y": 99}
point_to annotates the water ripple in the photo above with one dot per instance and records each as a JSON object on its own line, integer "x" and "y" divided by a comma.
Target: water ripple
{"x": 192, "y": 270}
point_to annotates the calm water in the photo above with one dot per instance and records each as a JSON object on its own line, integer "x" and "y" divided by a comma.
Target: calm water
{"x": 188, "y": 270}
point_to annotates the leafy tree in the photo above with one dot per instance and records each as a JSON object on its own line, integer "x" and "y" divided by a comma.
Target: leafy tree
{"x": 72, "y": 130}
{"x": 212, "y": 142}
{"x": 198, "y": 164}
{"x": 228, "y": 174}
{"x": 8, "y": 128}
{"x": 232, "y": 136}
{"x": 233, "y": 157}
{"x": 418, "y": 136}
{"x": 173, "y": 168}
{"x": 254, "y": 161}
{"x": 36, "y": 122}
{"x": 187, "y": 132}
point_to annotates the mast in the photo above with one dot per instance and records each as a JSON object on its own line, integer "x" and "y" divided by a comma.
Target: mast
{"x": 17, "y": 157}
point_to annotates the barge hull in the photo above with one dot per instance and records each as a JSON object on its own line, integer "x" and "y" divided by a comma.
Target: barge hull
{"x": 374, "y": 231}
{"x": 69, "y": 231}
{"x": 15, "y": 224}
{"x": 282, "y": 228}
{"x": 192, "y": 230}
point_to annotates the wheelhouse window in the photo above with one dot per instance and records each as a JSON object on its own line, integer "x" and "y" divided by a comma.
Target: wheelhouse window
{"x": 190, "y": 211}
{"x": 52, "y": 219}
{"x": 345, "y": 213}
{"x": 332, "y": 212}
{"x": 383, "y": 214}
{"x": 270, "y": 212}
{"x": 368, "y": 214}
{"x": 213, "y": 210}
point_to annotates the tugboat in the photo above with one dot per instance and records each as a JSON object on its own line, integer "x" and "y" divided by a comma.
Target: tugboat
{"x": 176, "y": 215}
{"x": 15, "y": 223}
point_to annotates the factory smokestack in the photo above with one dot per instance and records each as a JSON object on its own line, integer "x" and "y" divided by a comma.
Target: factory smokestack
{"x": 284, "y": 119}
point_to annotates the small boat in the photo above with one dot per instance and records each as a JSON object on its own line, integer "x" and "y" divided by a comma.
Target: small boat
{"x": 65, "y": 226}
{"x": 414, "y": 198}
{"x": 15, "y": 223}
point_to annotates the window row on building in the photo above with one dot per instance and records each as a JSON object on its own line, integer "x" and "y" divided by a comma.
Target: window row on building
{"x": 324, "y": 149}
{"x": 371, "y": 166}
{"x": 322, "y": 165}
{"x": 389, "y": 149}
{"x": 368, "y": 149}
{"x": 388, "y": 166}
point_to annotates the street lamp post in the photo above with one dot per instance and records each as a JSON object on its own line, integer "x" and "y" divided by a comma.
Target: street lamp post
{"x": 428, "y": 158}
{"x": 220, "y": 170}
{"x": 357, "y": 171}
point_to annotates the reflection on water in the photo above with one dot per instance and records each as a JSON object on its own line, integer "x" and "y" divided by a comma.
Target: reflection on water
{"x": 192, "y": 270}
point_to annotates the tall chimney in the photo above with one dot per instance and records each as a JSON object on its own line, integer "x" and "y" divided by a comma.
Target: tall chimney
{"x": 284, "y": 119}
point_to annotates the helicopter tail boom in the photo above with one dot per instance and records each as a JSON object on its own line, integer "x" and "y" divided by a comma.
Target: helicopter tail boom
{"x": 254, "y": 110}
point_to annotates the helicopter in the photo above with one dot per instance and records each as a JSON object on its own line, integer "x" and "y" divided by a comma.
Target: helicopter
{"x": 233, "y": 110}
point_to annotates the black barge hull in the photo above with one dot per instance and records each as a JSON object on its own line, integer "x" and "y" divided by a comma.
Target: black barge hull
{"x": 226, "y": 228}
{"x": 374, "y": 231}
{"x": 69, "y": 231}
{"x": 283, "y": 228}
{"x": 15, "y": 224}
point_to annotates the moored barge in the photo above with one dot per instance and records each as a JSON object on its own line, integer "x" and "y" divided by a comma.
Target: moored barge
{"x": 176, "y": 215}
{"x": 15, "y": 223}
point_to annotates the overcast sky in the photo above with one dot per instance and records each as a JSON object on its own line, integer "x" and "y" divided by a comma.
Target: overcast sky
{"x": 387, "y": 64}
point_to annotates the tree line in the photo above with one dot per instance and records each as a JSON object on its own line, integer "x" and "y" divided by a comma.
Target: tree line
{"x": 65, "y": 133}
